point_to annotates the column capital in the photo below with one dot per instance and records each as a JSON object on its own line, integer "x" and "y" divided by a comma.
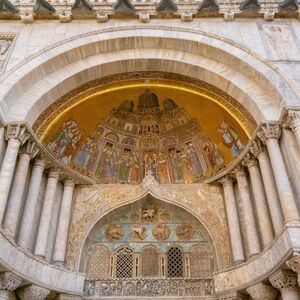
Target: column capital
{"x": 9, "y": 281}
{"x": 30, "y": 149}
{"x": 269, "y": 131}
{"x": 54, "y": 173}
{"x": 233, "y": 295}
{"x": 292, "y": 119}
{"x": 261, "y": 291}
{"x": 239, "y": 171}
{"x": 18, "y": 132}
{"x": 69, "y": 183}
{"x": 249, "y": 161}
{"x": 284, "y": 279}
{"x": 34, "y": 292}
{"x": 40, "y": 162}
{"x": 257, "y": 148}
{"x": 294, "y": 264}
{"x": 226, "y": 180}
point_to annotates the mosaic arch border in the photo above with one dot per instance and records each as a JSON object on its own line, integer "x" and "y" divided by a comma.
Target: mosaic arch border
{"x": 185, "y": 197}
{"x": 29, "y": 88}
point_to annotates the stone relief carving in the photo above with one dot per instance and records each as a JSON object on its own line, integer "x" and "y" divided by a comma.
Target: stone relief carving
{"x": 138, "y": 232}
{"x": 114, "y": 232}
{"x": 184, "y": 232}
{"x": 282, "y": 41}
{"x": 6, "y": 42}
{"x": 203, "y": 201}
{"x": 161, "y": 232}
{"x": 148, "y": 215}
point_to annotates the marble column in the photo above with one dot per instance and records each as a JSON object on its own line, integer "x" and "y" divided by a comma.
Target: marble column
{"x": 293, "y": 122}
{"x": 247, "y": 212}
{"x": 63, "y": 224}
{"x": 8, "y": 283}
{"x": 33, "y": 292}
{"x": 262, "y": 291}
{"x": 262, "y": 210}
{"x": 16, "y": 136}
{"x": 258, "y": 150}
{"x": 286, "y": 282}
{"x": 233, "y": 220}
{"x": 269, "y": 135}
{"x": 27, "y": 221}
{"x": 46, "y": 215}
{"x": 14, "y": 204}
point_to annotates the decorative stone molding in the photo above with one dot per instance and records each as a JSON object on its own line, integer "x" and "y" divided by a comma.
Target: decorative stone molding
{"x": 257, "y": 148}
{"x": 233, "y": 295}
{"x": 269, "y": 131}
{"x": 284, "y": 279}
{"x": 262, "y": 291}
{"x": 67, "y": 297}
{"x": 33, "y": 292}
{"x": 9, "y": 281}
{"x": 17, "y": 131}
{"x": 294, "y": 264}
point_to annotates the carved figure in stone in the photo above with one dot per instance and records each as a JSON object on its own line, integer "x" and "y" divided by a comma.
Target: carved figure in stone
{"x": 148, "y": 215}
{"x": 161, "y": 232}
{"x": 114, "y": 232}
{"x": 184, "y": 232}
{"x": 138, "y": 232}
{"x": 4, "y": 46}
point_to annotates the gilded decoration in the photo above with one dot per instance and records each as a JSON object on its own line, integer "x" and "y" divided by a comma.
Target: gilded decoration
{"x": 117, "y": 134}
{"x": 203, "y": 201}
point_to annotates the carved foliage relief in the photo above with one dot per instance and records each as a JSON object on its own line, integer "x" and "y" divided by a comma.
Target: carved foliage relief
{"x": 204, "y": 202}
{"x": 6, "y": 43}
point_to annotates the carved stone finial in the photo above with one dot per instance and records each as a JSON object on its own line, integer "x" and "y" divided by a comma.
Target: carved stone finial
{"x": 269, "y": 131}
{"x": 257, "y": 148}
{"x": 284, "y": 279}
{"x": 166, "y": 6}
{"x": 262, "y": 291}
{"x": 33, "y": 292}
{"x": 18, "y": 132}
{"x": 249, "y": 161}
{"x": 9, "y": 281}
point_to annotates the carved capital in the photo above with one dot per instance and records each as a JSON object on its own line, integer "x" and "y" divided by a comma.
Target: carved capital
{"x": 226, "y": 180}
{"x": 249, "y": 161}
{"x": 34, "y": 292}
{"x": 39, "y": 162}
{"x": 233, "y": 295}
{"x": 293, "y": 119}
{"x": 257, "y": 148}
{"x": 30, "y": 149}
{"x": 269, "y": 131}
{"x": 261, "y": 291}
{"x": 239, "y": 171}
{"x": 294, "y": 264}
{"x": 54, "y": 173}
{"x": 18, "y": 132}
{"x": 284, "y": 279}
{"x": 69, "y": 183}
{"x": 9, "y": 281}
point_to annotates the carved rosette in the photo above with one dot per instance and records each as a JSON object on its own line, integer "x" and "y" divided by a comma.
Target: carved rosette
{"x": 17, "y": 132}
{"x": 284, "y": 279}
{"x": 9, "y": 281}
{"x": 257, "y": 148}
{"x": 262, "y": 291}
{"x": 269, "y": 131}
{"x": 34, "y": 292}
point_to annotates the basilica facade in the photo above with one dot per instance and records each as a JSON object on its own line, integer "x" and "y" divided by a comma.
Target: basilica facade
{"x": 149, "y": 149}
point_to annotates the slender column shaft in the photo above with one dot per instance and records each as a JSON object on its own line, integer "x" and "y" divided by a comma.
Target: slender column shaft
{"x": 46, "y": 215}
{"x": 248, "y": 213}
{"x": 27, "y": 221}
{"x": 233, "y": 221}
{"x": 262, "y": 211}
{"x": 63, "y": 223}
{"x": 16, "y": 196}
{"x": 285, "y": 192}
{"x": 269, "y": 135}
{"x": 271, "y": 192}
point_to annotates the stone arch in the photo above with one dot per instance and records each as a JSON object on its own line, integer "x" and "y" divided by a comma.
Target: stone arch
{"x": 257, "y": 85}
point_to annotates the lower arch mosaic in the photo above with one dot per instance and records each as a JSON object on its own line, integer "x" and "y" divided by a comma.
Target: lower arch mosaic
{"x": 145, "y": 249}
